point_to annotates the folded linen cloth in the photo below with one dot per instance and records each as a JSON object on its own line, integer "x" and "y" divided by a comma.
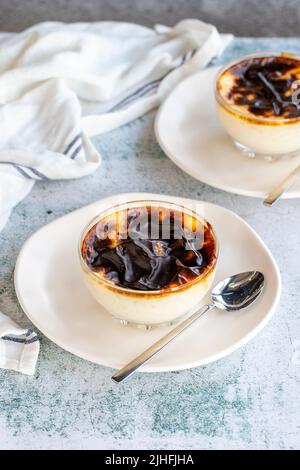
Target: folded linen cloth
{"x": 19, "y": 347}
{"x": 60, "y": 84}
{"x": 49, "y": 71}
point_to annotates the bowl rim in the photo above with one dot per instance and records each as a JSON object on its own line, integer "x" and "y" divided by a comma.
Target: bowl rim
{"x": 135, "y": 292}
{"x": 248, "y": 116}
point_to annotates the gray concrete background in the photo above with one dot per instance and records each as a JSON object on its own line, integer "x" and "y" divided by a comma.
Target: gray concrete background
{"x": 241, "y": 17}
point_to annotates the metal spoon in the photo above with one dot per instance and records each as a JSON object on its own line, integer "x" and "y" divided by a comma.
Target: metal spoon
{"x": 233, "y": 293}
{"x": 282, "y": 187}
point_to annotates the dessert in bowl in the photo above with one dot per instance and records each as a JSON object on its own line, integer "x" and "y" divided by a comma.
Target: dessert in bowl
{"x": 148, "y": 262}
{"x": 255, "y": 104}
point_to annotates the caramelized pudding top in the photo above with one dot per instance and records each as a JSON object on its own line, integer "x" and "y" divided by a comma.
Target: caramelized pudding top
{"x": 262, "y": 86}
{"x": 149, "y": 248}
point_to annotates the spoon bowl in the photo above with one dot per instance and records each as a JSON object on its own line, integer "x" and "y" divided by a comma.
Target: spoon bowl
{"x": 238, "y": 291}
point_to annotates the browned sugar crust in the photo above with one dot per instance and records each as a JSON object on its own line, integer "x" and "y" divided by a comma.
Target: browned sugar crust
{"x": 262, "y": 86}
{"x": 152, "y": 263}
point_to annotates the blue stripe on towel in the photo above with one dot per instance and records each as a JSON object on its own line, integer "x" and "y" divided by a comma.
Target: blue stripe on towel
{"x": 21, "y": 169}
{"x": 136, "y": 98}
{"x": 20, "y": 340}
{"x": 18, "y": 168}
{"x": 136, "y": 94}
{"x": 76, "y": 151}
{"x": 150, "y": 86}
{"x": 68, "y": 148}
{"x": 38, "y": 173}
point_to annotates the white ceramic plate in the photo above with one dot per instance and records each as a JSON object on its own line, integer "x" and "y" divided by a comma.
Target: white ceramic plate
{"x": 50, "y": 289}
{"x": 188, "y": 131}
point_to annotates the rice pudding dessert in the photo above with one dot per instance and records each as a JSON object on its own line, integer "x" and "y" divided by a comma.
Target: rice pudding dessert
{"x": 255, "y": 103}
{"x": 148, "y": 262}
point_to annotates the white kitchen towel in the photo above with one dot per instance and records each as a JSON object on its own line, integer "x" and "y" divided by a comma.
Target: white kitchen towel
{"x": 62, "y": 83}
{"x": 19, "y": 347}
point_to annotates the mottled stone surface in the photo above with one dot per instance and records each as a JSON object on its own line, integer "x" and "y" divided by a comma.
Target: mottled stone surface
{"x": 241, "y": 17}
{"x": 247, "y": 400}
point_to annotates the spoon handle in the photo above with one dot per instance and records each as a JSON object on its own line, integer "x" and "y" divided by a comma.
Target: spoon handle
{"x": 132, "y": 366}
{"x": 282, "y": 187}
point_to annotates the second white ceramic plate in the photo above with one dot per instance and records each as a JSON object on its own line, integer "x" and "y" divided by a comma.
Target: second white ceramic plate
{"x": 188, "y": 131}
{"x": 50, "y": 289}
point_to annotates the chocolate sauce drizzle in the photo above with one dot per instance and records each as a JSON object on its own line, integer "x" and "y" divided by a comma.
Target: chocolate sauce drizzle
{"x": 151, "y": 263}
{"x": 260, "y": 85}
